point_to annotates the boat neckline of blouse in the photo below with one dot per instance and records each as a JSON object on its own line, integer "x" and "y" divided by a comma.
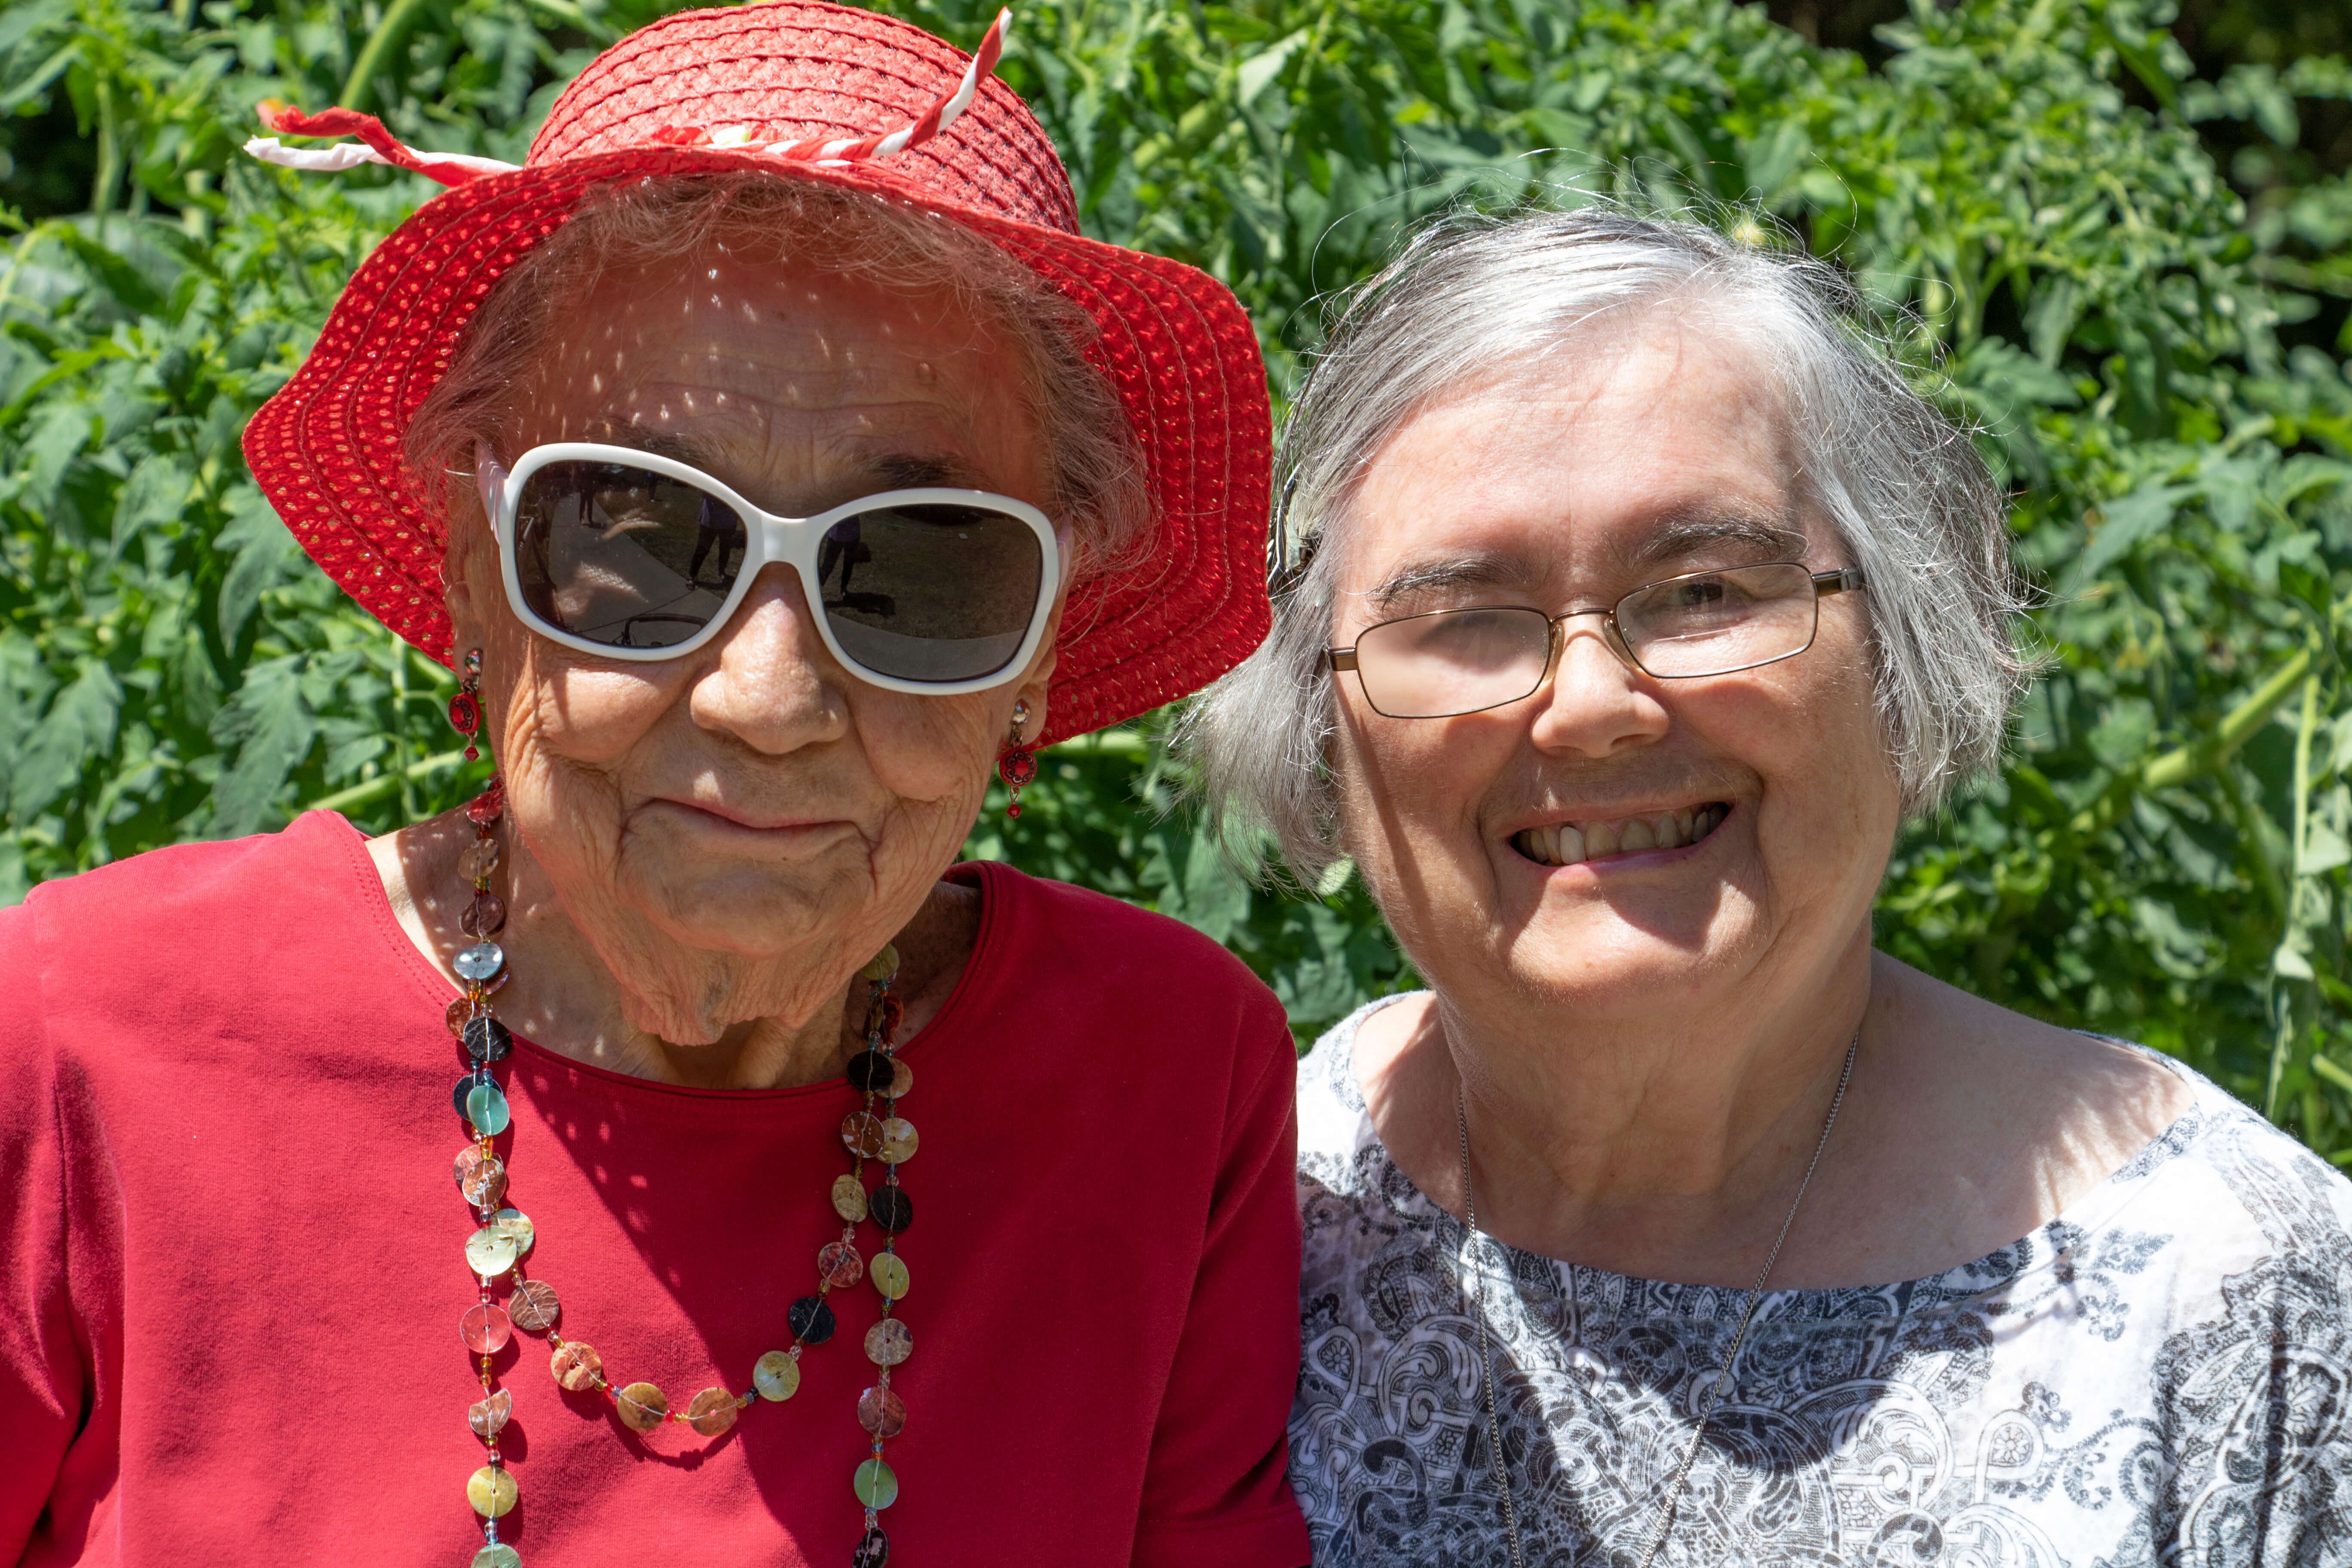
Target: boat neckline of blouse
{"x": 985, "y": 877}
{"x": 2053, "y": 1242}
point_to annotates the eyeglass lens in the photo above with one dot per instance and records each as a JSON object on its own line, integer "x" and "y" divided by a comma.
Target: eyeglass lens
{"x": 1465, "y": 661}
{"x": 631, "y": 558}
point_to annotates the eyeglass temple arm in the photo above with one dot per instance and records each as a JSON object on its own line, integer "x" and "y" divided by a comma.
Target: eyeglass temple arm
{"x": 1339, "y": 659}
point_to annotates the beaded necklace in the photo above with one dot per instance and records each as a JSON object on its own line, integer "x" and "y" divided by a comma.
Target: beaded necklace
{"x": 503, "y": 1235}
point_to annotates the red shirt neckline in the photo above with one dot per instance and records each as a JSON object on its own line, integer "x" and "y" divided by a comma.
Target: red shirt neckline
{"x": 953, "y": 1021}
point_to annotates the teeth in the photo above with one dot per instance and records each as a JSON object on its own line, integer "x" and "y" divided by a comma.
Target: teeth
{"x": 1564, "y": 844}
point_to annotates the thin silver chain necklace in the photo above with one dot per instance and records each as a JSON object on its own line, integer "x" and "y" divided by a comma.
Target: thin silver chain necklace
{"x": 1731, "y": 1361}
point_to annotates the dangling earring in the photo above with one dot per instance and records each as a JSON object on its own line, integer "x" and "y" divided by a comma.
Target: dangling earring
{"x": 1018, "y": 764}
{"x": 465, "y": 707}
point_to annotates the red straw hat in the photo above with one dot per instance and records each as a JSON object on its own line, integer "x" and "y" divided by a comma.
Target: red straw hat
{"x": 817, "y": 93}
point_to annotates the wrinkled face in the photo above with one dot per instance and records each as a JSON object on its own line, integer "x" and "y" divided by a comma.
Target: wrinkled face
{"x": 1614, "y": 841}
{"x": 754, "y": 797}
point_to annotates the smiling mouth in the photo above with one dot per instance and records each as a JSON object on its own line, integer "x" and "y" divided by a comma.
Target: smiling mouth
{"x": 1572, "y": 843}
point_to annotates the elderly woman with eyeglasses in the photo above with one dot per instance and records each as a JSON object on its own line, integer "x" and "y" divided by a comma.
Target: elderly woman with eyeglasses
{"x": 1641, "y": 604}
{"x": 672, "y": 1153}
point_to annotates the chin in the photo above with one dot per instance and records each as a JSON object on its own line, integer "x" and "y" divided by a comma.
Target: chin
{"x": 1605, "y": 961}
{"x": 755, "y": 912}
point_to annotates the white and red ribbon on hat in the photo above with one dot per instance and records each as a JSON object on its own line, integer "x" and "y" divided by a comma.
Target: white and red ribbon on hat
{"x": 378, "y": 145}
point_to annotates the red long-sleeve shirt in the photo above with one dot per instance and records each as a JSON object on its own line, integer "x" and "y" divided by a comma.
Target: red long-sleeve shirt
{"x": 234, "y": 1263}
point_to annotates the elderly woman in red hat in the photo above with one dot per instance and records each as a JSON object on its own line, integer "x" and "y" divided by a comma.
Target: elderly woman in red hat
{"x": 674, "y": 1151}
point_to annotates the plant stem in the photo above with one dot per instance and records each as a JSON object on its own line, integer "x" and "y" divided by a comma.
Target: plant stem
{"x": 110, "y": 152}
{"x": 2236, "y": 728}
{"x": 386, "y": 38}
{"x": 384, "y": 783}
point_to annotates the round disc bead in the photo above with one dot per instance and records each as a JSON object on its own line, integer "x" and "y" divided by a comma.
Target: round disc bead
{"x": 892, "y": 1209}
{"x": 711, "y": 1412}
{"x": 881, "y": 1412}
{"x": 776, "y": 1375}
{"x": 576, "y": 1365}
{"x": 889, "y": 1343}
{"x": 849, "y": 1198}
{"x": 533, "y": 1306}
{"x": 898, "y": 1140}
{"x": 497, "y": 1555}
{"x": 486, "y": 1108}
{"x": 456, "y": 1013}
{"x": 869, "y": 1072}
{"x": 481, "y": 1178}
{"x": 889, "y": 1275}
{"x": 862, "y": 1135}
{"x": 491, "y": 1491}
{"x": 479, "y": 961}
{"x": 838, "y": 1265}
{"x": 478, "y": 859}
{"x": 874, "y": 1484}
{"x": 484, "y": 917}
{"x": 884, "y": 965}
{"x": 485, "y": 1328}
{"x": 642, "y": 1406}
{"x": 488, "y": 1253}
{"x": 902, "y": 1079}
{"x": 486, "y": 1040}
{"x": 811, "y": 1319}
{"x": 515, "y": 1226}
{"x": 873, "y": 1550}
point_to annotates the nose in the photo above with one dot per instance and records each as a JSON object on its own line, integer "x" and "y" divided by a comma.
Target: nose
{"x": 772, "y": 683}
{"x": 1595, "y": 704}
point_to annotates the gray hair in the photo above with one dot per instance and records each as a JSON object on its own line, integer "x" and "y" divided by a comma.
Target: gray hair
{"x": 1903, "y": 487}
{"x": 1093, "y": 456}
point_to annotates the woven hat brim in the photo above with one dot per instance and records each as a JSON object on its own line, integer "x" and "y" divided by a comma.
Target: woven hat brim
{"x": 1176, "y": 346}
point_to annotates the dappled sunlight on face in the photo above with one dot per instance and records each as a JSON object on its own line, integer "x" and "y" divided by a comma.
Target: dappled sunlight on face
{"x": 1614, "y": 841}
{"x": 720, "y": 825}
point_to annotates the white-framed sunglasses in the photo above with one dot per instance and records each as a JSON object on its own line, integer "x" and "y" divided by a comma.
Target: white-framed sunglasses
{"x": 630, "y": 555}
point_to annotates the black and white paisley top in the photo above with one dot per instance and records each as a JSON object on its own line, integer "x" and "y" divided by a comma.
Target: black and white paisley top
{"x": 2163, "y": 1374}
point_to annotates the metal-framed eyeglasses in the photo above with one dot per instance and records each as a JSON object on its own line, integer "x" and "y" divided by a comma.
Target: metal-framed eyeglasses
{"x": 1446, "y": 663}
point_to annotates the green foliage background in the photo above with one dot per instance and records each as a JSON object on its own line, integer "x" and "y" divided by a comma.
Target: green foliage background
{"x": 2155, "y": 355}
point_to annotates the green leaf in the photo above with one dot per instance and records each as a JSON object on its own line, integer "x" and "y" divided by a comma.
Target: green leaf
{"x": 271, "y": 727}
{"x": 77, "y": 731}
{"x": 1260, "y": 68}
{"x": 2323, "y": 849}
{"x": 1216, "y": 899}
{"x": 264, "y": 554}
{"x": 2126, "y": 522}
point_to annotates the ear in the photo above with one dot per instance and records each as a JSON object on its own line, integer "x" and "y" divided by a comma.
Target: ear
{"x": 1037, "y": 682}
{"x": 470, "y": 530}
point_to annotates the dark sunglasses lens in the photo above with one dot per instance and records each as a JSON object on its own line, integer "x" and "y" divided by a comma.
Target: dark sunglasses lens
{"x": 933, "y": 592}
{"x": 625, "y": 556}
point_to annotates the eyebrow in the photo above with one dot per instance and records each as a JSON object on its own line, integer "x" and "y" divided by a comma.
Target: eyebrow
{"x": 913, "y": 471}
{"x": 1460, "y": 572}
{"x": 1693, "y": 533}
{"x": 1679, "y": 538}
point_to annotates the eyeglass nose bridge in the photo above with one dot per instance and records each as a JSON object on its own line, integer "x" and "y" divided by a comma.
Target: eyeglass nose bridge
{"x": 1613, "y": 637}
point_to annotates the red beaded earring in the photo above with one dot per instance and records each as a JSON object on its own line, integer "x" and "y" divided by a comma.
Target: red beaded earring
{"x": 1018, "y": 764}
{"x": 465, "y": 707}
